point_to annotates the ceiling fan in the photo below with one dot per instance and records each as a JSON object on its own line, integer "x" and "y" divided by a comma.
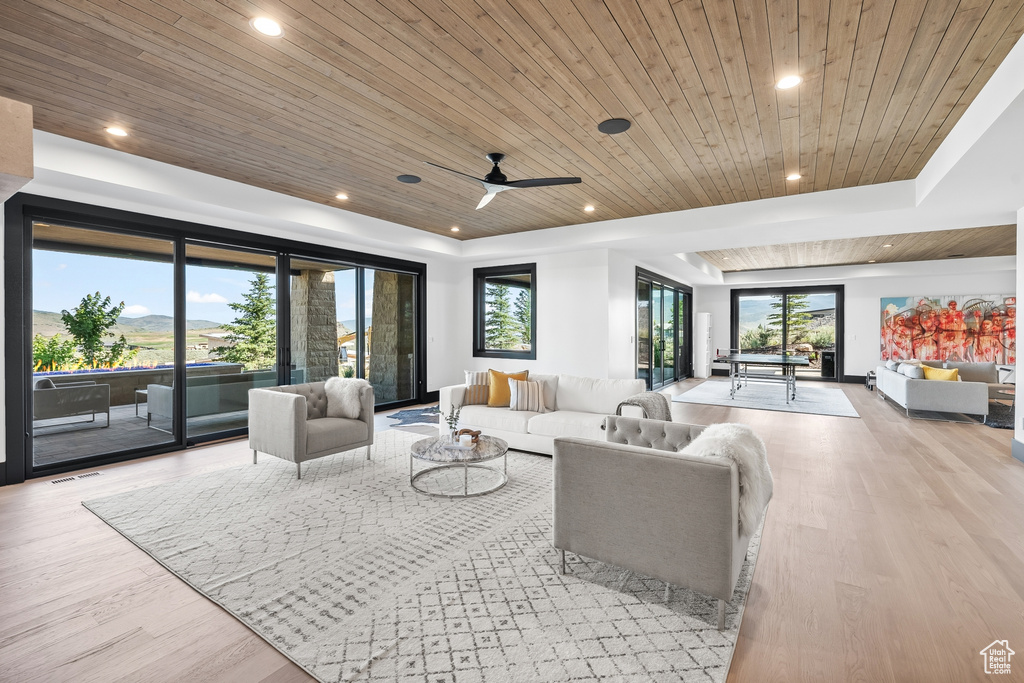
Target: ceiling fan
{"x": 496, "y": 181}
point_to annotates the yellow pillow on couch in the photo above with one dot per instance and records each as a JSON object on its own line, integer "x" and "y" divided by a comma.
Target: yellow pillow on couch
{"x": 939, "y": 373}
{"x": 499, "y": 394}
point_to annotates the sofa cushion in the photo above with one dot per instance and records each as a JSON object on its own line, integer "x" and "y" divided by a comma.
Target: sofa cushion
{"x": 589, "y": 395}
{"x": 891, "y": 365}
{"x": 586, "y": 425}
{"x": 485, "y": 417}
{"x": 911, "y": 371}
{"x": 498, "y": 394}
{"x": 476, "y": 388}
{"x": 326, "y": 433}
{"x": 976, "y": 372}
{"x": 549, "y": 387}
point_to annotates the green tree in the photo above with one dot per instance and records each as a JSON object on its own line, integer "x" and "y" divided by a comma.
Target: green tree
{"x": 53, "y": 353}
{"x": 89, "y": 323}
{"x": 798, "y": 320}
{"x": 500, "y": 327}
{"x": 522, "y": 314}
{"x": 253, "y": 334}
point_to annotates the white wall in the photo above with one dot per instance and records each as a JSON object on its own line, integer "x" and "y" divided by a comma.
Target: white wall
{"x": 862, "y": 319}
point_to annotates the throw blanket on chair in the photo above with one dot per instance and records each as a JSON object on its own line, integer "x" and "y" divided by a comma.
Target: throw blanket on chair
{"x": 654, "y": 405}
{"x": 740, "y": 444}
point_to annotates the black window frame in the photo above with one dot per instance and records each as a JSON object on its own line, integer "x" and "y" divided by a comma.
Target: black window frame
{"x": 22, "y": 210}
{"x": 840, "y": 333}
{"x": 683, "y": 331}
{"x": 480, "y": 275}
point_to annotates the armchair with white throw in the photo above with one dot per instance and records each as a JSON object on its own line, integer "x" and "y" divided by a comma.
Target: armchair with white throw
{"x": 671, "y": 501}
{"x": 301, "y": 422}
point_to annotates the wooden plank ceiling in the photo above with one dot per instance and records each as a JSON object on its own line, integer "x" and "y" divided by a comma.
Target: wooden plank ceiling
{"x": 998, "y": 240}
{"x": 356, "y": 93}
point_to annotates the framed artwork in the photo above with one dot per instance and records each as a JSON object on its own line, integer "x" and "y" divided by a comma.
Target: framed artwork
{"x": 979, "y": 329}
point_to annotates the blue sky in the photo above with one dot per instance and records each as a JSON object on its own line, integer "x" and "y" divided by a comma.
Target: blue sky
{"x": 60, "y": 280}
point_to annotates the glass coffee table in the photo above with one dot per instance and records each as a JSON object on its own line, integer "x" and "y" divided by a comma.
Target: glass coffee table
{"x": 443, "y": 475}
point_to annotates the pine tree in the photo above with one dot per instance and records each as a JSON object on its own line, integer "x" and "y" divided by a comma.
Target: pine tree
{"x": 253, "y": 334}
{"x": 500, "y": 327}
{"x": 522, "y": 313}
{"x": 797, "y": 318}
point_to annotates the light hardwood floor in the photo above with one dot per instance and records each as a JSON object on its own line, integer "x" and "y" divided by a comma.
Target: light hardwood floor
{"x": 893, "y": 551}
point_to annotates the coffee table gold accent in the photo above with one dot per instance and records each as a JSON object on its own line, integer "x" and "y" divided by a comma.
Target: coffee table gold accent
{"x": 433, "y": 450}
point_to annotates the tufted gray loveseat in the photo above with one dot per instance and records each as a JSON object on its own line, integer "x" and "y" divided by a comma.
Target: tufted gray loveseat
{"x": 291, "y": 422}
{"x": 634, "y": 501}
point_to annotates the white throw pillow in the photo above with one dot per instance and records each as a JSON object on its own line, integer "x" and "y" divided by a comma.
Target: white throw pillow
{"x": 343, "y": 396}
{"x": 525, "y": 395}
{"x": 891, "y": 365}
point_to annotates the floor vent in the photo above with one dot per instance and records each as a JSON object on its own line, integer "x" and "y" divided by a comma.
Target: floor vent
{"x": 61, "y": 481}
{"x": 88, "y": 474}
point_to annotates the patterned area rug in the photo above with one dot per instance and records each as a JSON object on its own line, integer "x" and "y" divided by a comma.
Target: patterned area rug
{"x": 355, "y": 577}
{"x": 812, "y": 399}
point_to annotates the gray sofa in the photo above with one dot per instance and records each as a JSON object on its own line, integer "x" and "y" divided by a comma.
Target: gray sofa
{"x": 291, "y": 422}
{"x": 979, "y": 383}
{"x": 637, "y": 503}
{"x": 208, "y": 394}
{"x": 70, "y": 399}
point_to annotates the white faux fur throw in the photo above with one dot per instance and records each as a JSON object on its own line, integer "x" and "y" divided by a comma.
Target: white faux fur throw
{"x": 343, "y": 396}
{"x": 745, "y": 448}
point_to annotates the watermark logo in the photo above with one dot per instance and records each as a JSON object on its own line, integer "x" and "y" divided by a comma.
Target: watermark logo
{"x": 997, "y": 657}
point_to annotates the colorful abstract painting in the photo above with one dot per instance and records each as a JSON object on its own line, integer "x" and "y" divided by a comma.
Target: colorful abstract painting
{"x": 956, "y": 328}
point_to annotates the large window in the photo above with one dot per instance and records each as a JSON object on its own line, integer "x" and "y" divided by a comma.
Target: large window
{"x": 804, "y": 321}
{"x": 663, "y": 329}
{"x": 505, "y": 311}
{"x": 129, "y": 335}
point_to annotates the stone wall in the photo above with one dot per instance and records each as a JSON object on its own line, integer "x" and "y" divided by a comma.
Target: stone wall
{"x": 392, "y": 338}
{"x": 314, "y": 325}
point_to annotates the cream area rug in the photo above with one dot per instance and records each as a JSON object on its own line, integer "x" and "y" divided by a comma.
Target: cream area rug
{"x": 815, "y": 400}
{"x": 356, "y": 577}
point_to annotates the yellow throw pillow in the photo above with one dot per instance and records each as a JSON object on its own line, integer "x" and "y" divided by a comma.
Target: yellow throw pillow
{"x": 940, "y": 373}
{"x": 500, "y": 395}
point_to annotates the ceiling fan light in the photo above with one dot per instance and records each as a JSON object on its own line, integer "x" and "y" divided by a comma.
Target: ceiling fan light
{"x": 787, "y": 82}
{"x": 266, "y": 26}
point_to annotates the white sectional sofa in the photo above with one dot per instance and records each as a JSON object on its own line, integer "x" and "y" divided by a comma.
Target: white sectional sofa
{"x": 574, "y": 406}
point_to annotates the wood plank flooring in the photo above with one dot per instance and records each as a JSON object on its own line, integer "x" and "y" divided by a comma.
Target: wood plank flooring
{"x": 893, "y": 551}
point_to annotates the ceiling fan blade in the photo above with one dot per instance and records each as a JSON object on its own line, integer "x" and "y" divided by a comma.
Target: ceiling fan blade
{"x": 464, "y": 175}
{"x": 543, "y": 182}
{"x": 486, "y": 199}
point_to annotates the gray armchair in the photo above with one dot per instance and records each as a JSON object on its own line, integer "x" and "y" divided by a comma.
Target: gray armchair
{"x": 641, "y": 505}
{"x": 70, "y": 399}
{"x": 291, "y": 422}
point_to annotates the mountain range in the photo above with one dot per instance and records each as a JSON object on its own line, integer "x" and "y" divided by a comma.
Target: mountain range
{"x": 48, "y": 324}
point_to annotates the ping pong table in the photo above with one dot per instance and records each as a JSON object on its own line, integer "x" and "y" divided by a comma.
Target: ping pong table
{"x": 740, "y": 375}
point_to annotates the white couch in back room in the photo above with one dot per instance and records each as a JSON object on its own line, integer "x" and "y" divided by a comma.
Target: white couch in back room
{"x": 574, "y": 406}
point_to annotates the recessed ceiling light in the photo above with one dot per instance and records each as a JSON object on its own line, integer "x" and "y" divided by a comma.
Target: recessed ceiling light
{"x": 588, "y": 208}
{"x": 408, "y": 179}
{"x": 614, "y": 126}
{"x": 793, "y": 176}
{"x": 871, "y": 261}
{"x": 886, "y": 246}
{"x": 341, "y": 195}
{"x": 266, "y": 26}
{"x": 725, "y": 258}
{"x": 455, "y": 228}
{"x": 788, "y": 82}
{"x": 119, "y": 132}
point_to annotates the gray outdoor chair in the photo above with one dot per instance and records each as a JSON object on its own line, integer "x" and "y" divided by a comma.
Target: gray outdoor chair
{"x": 291, "y": 422}
{"x": 70, "y": 399}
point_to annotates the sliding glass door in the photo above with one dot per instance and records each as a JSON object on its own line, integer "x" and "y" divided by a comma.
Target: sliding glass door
{"x": 102, "y": 329}
{"x": 131, "y": 335}
{"x": 663, "y": 330}
{"x": 805, "y": 321}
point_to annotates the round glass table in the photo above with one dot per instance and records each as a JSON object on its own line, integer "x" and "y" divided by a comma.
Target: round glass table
{"x": 443, "y": 478}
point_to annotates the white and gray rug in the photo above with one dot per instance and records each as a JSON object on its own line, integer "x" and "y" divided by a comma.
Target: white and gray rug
{"x": 812, "y": 399}
{"x": 355, "y": 577}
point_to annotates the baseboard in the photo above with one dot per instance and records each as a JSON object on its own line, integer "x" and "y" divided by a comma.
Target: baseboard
{"x": 432, "y": 396}
{"x": 1017, "y": 449}
{"x": 718, "y": 372}
{"x": 854, "y": 379}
